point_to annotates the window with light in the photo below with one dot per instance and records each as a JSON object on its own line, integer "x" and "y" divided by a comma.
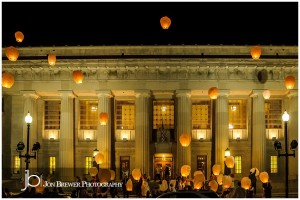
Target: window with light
{"x": 237, "y": 113}
{"x": 274, "y": 165}
{"x": 17, "y": 165}
{"x": 125, "y": 114}
{"x": 238, "y": 164}
{"x": 201, "y": 114}
{"x": 88, "y": 164}
{"x": 52, "y": 115}
{"x": 88, "y": 115}
{"x": 273, "y": 112}
{"x": 163, "y": 114}
{"x": 52, "y": 164}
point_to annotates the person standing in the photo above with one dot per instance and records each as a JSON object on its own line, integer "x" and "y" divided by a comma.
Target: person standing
{"x": 267, "y": 190}
{"x": 253, "y": 181}
{"x": 124, "y": 181}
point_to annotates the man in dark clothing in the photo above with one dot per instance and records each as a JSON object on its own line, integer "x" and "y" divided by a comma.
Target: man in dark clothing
{"x": 124, "y": 181}
{"x": 253, "y": 180}
{"x": 267, "y": 190}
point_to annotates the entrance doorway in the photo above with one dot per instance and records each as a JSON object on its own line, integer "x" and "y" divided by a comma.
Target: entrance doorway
{"x": 162, "y": 166}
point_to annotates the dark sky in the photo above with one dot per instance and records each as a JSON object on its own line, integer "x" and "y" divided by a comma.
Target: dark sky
{"x": 136, "y": 23}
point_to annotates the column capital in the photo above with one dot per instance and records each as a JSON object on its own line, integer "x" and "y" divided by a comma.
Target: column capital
{"x": 104, "y": 93}
{"x": 223, "y": 92}
{"x": 68, "y": 93}
{"x": 256, "y": 93}
{"x": 292, "y": 93}
{"x": 142, "y": 93}
{"x": 29, "y": 93}
{"x": 183, "y": 93}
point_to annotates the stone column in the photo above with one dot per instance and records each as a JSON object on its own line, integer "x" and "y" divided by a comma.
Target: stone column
{"x": 259, "y": 153}
{"x": 104, "y": 131}
{"x": 222, "y": 127}
{"x": 183, "y": 125}
{"x": 66, "y": 139}
{"x": 30, "y": 105}
{"x": 293, "y": 131}
{"x": 142, "y": 131}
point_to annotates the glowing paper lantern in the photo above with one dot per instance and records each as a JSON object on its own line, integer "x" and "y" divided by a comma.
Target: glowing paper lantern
{"x": 129, "y": 185}
{"x": 197, "y": 172}
{"x": 112, "y": 174}
{"x": 216, "y": 169}
{"x": 19, "y": 36}
{"x": 8, "y": 80}
{"x": 165, "y": 22}
{"x": 229, "y": 161}
{"x": 246, "y": 183}
{"x": 185, "y": 139}
{"x": 255, "y": 52}
{"x": 227, "y": 181}
{"x": 40, "y": 187}
{"x": 12, "y": 53}
{"x": 289, "y": 82}
{"x": 163, "y": 186}
{"x": 93, "y": 171}
{"x": 103, "y": 118}
{"x": 266, "y": 94}
{"x": 136, "y": 174}
{"x": 185, "y": 170}
{"x": 213, "y": 92}
{"x": 104, "y": 176}
{"x": 264, "y": 177}
{"x": 78, "y": 76}
{"x": 51, "y": 59}
{"x": 256, "y": 172}
{"x": 198, "y": 181}
{"x": 220, "y": 179}
{"x": 99, "y": 158}
{"x": 213, "y": 185}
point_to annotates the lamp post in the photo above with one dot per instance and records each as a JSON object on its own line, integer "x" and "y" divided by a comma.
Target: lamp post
{"x": 277, "y": 146}
{"x": 21, "y": 146}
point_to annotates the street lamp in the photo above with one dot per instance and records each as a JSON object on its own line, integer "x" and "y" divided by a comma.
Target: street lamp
{"x": 277, "y": 146}
{"x": 21, "y": 146}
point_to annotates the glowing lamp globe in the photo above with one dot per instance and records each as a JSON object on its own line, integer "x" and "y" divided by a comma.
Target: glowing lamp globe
{"x": 51, "y": 59}
{"x": 246, "y": 183}
{"x": 99, "y": 158}
{"x": 165, "y": 22}
{"x": 285, "y": 116}
{"x": 229, "y": 161}
{"x": 77, "y": 76}
{"x": 112, "y": 174}
{"x": 8, "y": 80}
{"x": 264, "y": 177}
{"x": 12, "y": 53}
{"x": 19, "y": 36}
{"x": 136, "y": 174}
{"x": 213, "y": 92}
{"x": 216, "y": 169}
{"x": 213, "y": 185}
{"x": 103, "y": 118}
{"x": 185, "y": 139}
{"x": 185, "y": 170}
{"x": 93, "y": 171}
{"x": 289, "y": 82}
{"x": 198, "y": 181}
{"x": 220, "y": 179}
{"x": 227, "y": 182}
{"x": 266, "y": 94}
{"x": 129, "y": 185}
{"x": 104, "y": 175}
{"x": 255, "y": 52}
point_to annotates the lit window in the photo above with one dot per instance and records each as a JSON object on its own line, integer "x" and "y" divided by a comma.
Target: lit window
{"x": 17, "y": 165}
{"x": 274, "y": 164}
{"x": 273, "y": 114}
{"x": 201, "y": 115}
{"x": 125, "y": 115}
{"x": 52, "y": 115}
{"x": 52, "y": 164}
{"x": 238, "y": 164}
{"x": 163, "y": 114}
{"x": 237, "y": 114}
{"x": 88, "y": 164}
{"x": 88, "y": 115}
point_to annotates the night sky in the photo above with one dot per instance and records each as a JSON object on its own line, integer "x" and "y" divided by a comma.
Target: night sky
{"x": 137, "y": 23}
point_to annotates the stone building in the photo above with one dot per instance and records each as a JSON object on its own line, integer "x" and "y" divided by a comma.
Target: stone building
{"x": 152, "y": 94}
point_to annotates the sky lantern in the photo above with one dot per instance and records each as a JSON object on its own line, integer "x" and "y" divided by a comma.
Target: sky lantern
{"x": 216, "y": 169}
{"x": 289, "y": 82}
{"x": 185, "y": 139}
{"x": 198, "y": 181}
{"x": 213, "y": 92}
{"x": 8, "y": 80}
{"x": 19, "y": 36}
{"x": 255, "y": 52}
{"x": 229, "y": 161}
{"x": 185, "y": 170}
{"x": 103, "y": 118}
{"x": 104, "y": 175}
{"x": 93, "y": 171}
{"x": 266, "y": 94}
{"x": 227, "y": 181}
{"x": 99, "y": 158}
{"x": 12, "y": 53}
{"x": 129, "y": 185}
{"x": 78, "y": 76}
{"x": 213, "y": 185}
{"x": 264, "y": 177}
{"x": 220, "y": 179}
{"x": 165, "y": 22}
{"x": 112, "y": 174}
{"x": 136, "y": 174}
{"x": 246, "y": 183}
{"x": 51, "y": 59}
